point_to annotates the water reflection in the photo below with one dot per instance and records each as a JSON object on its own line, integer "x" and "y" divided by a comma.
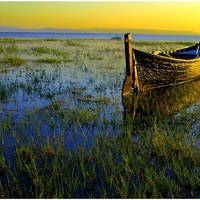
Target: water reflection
{"x": 46, "y": 101}
{"x": 161, "y": 102}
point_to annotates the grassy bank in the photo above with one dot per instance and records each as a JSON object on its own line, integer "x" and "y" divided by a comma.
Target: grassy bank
{"x": 65, "y": 131}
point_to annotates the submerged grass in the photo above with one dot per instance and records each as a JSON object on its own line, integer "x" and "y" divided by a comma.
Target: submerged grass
{"x": 76, "y": 143}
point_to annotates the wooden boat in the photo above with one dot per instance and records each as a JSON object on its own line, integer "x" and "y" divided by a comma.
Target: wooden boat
{"x": 145, "y": 71}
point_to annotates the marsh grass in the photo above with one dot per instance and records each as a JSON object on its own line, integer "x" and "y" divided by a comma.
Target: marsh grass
{"x": 63, "y": 133}
{"x": 161, "y": 164}
{"x": 40, "y": 50}
{"x": 12, "y": 48}
{"x": 48, "y": 60}
{"x": 75, "y": 43}
{"x": 13, "y": 60}
{"x": 1, "y": 49}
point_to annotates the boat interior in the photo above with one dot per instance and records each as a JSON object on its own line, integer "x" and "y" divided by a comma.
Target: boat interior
{"x": 187, "y": 53}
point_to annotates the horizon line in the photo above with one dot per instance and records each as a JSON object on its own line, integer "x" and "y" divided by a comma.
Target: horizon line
{"x": 102, "y": 29}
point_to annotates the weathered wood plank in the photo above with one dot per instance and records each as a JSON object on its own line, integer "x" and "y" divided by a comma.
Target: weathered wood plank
{"x": 128, "y": 54}
{"x": 131, "y": 79}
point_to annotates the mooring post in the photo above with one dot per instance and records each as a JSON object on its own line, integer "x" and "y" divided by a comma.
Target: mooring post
{"x": 128, "y": 53}
{"x": 131, "y": 79}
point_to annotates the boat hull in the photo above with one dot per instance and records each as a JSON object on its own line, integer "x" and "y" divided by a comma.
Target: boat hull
{"x": 156, "y": 71}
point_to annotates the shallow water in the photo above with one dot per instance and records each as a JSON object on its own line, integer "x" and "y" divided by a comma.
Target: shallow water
{"x": 146, "y": 37}
{"x": 90, "y": 76}
{"x": 89, "y": 81}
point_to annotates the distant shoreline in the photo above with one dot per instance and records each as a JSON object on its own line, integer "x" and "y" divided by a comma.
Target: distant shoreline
{"x": 98, "y": 31}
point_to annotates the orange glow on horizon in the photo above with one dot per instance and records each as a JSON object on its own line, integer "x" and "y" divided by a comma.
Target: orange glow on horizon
{"x": 181, "y": 16}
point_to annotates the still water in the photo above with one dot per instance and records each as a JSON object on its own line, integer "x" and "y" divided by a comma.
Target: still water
{"x": 146, "y": 37}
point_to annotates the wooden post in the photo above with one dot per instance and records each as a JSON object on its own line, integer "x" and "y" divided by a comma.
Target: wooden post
{"x": 131, "y": 79}
{"x": 128, "y": 53}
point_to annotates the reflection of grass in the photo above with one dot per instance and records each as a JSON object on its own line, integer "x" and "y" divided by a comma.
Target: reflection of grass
{"x": 3, "y": 92}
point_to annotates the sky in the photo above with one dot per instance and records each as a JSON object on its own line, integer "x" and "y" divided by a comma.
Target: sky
{"x": 164, "y": 15}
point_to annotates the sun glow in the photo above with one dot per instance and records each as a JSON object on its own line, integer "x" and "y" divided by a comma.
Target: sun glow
{"x": 182, "y": 16}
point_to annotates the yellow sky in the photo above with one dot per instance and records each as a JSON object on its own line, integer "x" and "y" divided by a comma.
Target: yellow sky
{"x": 183, "y": 16}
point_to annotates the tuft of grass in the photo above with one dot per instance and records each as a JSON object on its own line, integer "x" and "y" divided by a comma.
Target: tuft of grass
{"x": 72, "y": 42}
{"x": 40, "y": 50}
{"x": 110, "y": 67}
{"x": 116, "y": 38}
{"x": 1, "y": 49}
{"x": 93, "y": 57}
{"x": 13, "y": 60}
{"x": 12, "y": 48}
{"x": 49, "y": 60}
